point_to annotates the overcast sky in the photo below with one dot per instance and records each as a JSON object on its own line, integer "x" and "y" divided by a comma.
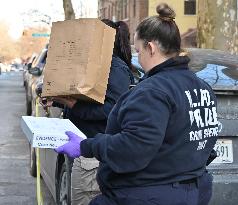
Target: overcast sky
{"x": 11, "y": 10}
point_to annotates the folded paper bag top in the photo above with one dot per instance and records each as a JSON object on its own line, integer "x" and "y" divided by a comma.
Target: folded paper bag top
{"x": 79, "y": 59}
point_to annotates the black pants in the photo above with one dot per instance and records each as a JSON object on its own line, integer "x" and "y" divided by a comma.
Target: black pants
{"x": 192, "y": 193}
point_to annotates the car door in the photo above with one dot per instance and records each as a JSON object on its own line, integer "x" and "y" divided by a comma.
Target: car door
{"x": 51, "y": 157}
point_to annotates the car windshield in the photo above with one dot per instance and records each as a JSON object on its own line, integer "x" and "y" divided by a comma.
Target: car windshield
{"x": 218, "y": 75}
{"x": 41, "y": 59}
{"x": 217, "y": 68}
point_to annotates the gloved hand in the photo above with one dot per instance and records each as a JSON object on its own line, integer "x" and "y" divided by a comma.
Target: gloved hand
{"x": 71, "y": 148}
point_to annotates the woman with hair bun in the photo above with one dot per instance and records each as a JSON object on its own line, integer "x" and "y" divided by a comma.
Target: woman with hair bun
{"x": 91, "y": 117}
{"x": 161, "y": 133}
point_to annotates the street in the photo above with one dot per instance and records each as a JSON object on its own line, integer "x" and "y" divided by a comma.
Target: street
{"x": 17, "y": 186}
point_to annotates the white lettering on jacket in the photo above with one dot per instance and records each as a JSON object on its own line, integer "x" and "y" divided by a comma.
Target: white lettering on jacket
{"x": 203, "y": 117}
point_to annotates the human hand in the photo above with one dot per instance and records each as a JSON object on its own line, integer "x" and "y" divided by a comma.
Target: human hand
{"x": 72, "y": 148}
{"x": 69, "y": 102}
{"x": 39, "y": 89}
{"x": 46, "y": 103}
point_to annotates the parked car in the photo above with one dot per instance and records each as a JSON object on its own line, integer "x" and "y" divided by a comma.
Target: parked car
{"x": 5, "y": 67}
{"x": 138, "y": 71}
{"x": 26, "y": 67}
{"x": 55, "y": 168}
{"x": 14, "y": 67}
{"x": 220, "y": 70}
{"x": 34, "y": 72}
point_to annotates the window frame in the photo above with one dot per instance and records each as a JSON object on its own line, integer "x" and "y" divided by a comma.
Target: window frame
{"x": 187, "y": 11}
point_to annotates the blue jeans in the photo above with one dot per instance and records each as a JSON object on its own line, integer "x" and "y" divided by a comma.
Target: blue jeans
{"x": 194, "y": 193}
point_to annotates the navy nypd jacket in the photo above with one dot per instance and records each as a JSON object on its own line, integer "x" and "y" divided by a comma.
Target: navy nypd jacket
{"x": 91, "y": 118}
{"x": 161, "y": 131}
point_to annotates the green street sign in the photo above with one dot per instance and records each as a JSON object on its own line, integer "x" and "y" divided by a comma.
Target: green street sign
{"x": 40, "y": 35}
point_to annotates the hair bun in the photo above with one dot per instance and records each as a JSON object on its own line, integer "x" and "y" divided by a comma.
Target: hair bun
{"x": 165, "y": 12}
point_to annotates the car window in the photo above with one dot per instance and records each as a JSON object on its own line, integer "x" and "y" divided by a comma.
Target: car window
{"x": 41, "y": 59}
{"x": 44, "y": 58}
{"x": 217, "y": 68}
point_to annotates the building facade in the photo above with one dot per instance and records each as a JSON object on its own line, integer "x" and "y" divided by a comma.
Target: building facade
{"x": 218, "y": 25}
{"x": 133, "y": 11}
{"x": 130, "y": 11}
{"x": 186, "y": 12}
{"x": 85, "y": 9}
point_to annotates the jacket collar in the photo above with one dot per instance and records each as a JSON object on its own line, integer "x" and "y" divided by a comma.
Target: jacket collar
{"x": 175, "y": 63}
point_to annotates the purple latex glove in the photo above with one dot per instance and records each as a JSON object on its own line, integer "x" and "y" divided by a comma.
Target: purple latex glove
{"x": 71, "y": 148}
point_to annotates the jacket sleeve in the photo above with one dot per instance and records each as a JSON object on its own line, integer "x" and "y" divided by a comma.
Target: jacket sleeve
{"x": 143, "y": 119}
{"x": 91, "y": 111}
{"x": 118, "y": 83}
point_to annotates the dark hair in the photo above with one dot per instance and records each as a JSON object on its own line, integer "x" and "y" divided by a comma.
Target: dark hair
{"x": 122, "y": 47}
{"x": 162, "y": 29}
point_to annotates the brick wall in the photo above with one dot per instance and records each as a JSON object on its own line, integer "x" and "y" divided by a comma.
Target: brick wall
{"x": 130, "y": 11}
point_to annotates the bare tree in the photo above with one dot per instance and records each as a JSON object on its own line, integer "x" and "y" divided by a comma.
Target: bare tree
{"x": 29, "y": 44}
{"x": 8, "y": 47}
{"x": 68, "y": 10}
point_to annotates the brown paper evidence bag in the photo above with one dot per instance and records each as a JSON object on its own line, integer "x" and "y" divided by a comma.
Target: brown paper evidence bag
{"x": 79, "y": 59}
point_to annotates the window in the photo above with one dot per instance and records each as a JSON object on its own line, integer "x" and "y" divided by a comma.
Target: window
{"x": 109, "y": 12}
{"x": 134, "y": 8}
{"x": 125, "y": 9}
{"x": 105, "y": 12}
{"x": 190, "y": 7}
{"x": 121, "y": 9}
{"x": 237, "y": 10}
{"x": 112, "y": 12}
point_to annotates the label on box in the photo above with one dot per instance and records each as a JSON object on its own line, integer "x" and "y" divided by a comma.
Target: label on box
{"x": 49, "y": 141}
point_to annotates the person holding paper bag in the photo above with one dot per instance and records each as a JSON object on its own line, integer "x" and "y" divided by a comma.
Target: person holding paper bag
{"x": 91, "y": 118}
{"x": 156, "y": 144}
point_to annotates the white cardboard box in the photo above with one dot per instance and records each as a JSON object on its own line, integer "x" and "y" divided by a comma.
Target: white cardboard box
{"x": 43, "y": 132}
